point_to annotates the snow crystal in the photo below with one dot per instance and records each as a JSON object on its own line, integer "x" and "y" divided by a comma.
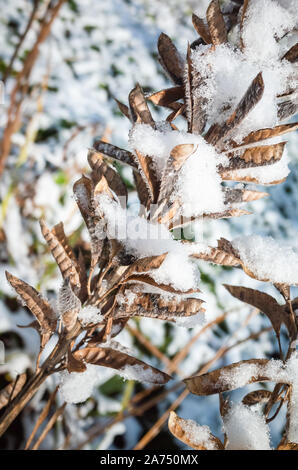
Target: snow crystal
{"x": 89, "y": 315}
{"x": 246, "y": 429}
{"x": 117, "y": 346}
{"x": 127, "y": 298}
{"x": 267, "y": 259}
{"x": 177, "y": 270}
{"x": 198, "y": 435}
{"x": 140, "y": 373}
{"x": 67, "y": 300}
{"x": 77, "y": 387}
{"x": 199, "y": 183}
{"x": 239, "y": 376}
{"x": 265, "y": 22}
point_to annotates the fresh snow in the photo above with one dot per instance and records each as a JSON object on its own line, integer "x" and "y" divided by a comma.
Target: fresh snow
{"x": 268, "y": 259}
{"x": 197, "y": 435}
{"x": 246, "y": 429}
{"x": 140, "y": 373}
{"x": 199, "y": 184}
{"x": 89, "y": 315}
{"x": 227, "y": 72}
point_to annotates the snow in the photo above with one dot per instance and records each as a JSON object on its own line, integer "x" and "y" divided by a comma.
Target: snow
{"x": 144, "y": 238}
{"x": 89, "y": 315}
{"x": 197, "y": 435}
{"x": 267, "y": 174}
{"x": 268, "y": 259}
{"x": 177, "y": 270}
{"x": 140, "y": 373}
{"x": 246, "y": 429}
{"x": 265, "y": 22}
{"x": 199, "y": 184}
{"x": 67, "y": 300}
{"x": 239, "y": 376}
{"x": 78, "y": 387}
{"x": 276, "y": 372}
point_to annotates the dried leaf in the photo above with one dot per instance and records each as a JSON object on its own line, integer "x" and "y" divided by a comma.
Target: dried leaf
{"x": 123, "y": 108}
{"x": 39, "y": 306}
{"x": 142, "y": 190}
{"x": 284, "y": 289}
{"x": 224, "y": 405}
{"x": 157, "y": 306}
{"x": 292, "y": 54}
{"x": 83, "y": 190}
{"x": 118, "y": 360}
{"x": 210, "y": 383}
{"x": 234, "y": 175}
{"x": 168, "y": 213}
{"x": 189, "y": 89}
{"x": 115, "y": 153}
{"x": 235, "y": 196}
{"x": 265, "y": 303}
{"x": 62, "y": 253}
{"x": 11, "y": 390}
{"x": 69, "y": 305}
{"x": 149, "y": 175}
{"x": 257, "y": 396}
{"x": 138, "y": 107}
{"x": 170, "y": 59}
{"x": 216, "y": 23}
{"x": 101, "y": 168}
{"x": 288, "y": 446}
{"x": 269, "y": 133}
{"x": 167, "y": 96}
{"x": 243, "y": 16}
{"x": 176, "y": 160}
{"x": 227, "y": 214}
{"x": 246, "y": 104}
{"x": 216, "y": 256}
{"x": 226, "y": 245}
{"x": 180, "y": 429}
{"x": 73, "y": 364}
{"x": 201, "y": 28}
{"x": 143, "y": 265}
{"x": 286, "y": 109}
{"x": 198, "y": 104}
{"x": 146, "y": 279}
{"x": 265, "y": 154}
{"x": 180, "y": 112}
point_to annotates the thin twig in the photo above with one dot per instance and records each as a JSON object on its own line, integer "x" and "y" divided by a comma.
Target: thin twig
{"x": 49, "y": 426}
{"x": 41, "y": 417}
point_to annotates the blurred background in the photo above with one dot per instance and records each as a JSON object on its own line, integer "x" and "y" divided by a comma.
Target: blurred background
{"x": 74, "y": 58}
